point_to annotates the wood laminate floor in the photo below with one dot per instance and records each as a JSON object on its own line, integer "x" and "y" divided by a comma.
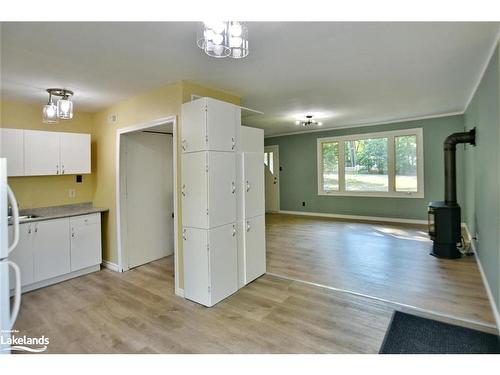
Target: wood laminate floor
{"x": 385, "y": 261}
{"x": 137, "y": 312}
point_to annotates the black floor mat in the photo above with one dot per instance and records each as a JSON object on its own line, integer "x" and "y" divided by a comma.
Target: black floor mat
{"x": 410, "y": 334}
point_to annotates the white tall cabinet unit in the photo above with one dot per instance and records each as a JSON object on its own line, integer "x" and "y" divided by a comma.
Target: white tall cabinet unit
{"x": 209, "y": 129}
{"x": 250, "y": 205}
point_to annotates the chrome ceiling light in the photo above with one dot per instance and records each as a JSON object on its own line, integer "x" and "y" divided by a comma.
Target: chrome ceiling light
{"x": 223, "y": 39}
{"x": 309, "y": 121}
{"x": 64, "y": 108}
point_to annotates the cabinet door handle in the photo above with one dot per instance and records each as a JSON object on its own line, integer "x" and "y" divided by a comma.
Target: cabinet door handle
{"x": 183, "y": 190}
{"x": 184, "y": 145}
{"x": 234, "y": 230}
{"x": 36, "y": 228}
{"x": 233, "y": 187}
{"x": 184, "y": 235}
{"x": 29, "y": 229}
{"x": 248, "y": 226}
{"x": 248, "y": 186}
{"x": 62, "y": 170}
{"x": 57, "y": 169}
{"x": 233, "y": 144}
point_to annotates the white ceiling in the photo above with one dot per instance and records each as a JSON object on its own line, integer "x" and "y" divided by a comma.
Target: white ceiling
{"x": 344, "y": 73}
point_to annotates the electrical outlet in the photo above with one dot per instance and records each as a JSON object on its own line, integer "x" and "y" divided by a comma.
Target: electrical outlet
{"x": 72, "y": 193}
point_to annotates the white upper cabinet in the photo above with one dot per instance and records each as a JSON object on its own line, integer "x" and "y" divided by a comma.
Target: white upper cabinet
{"x": 75, "y": 153}
{"x": 41, "y": 153}
{"x": 208, "y": 189}
{"x": 12, "y": 148}
{"x": 212, "y": 125}
{"x": 250, "y": 139}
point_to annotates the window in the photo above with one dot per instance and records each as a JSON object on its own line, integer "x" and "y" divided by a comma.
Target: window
{"x": 385, "y": 164}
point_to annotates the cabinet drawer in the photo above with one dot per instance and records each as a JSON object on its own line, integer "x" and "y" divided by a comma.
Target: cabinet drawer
{"x": 83, "y": 220}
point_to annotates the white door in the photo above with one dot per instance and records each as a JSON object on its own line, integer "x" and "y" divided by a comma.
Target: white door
{"x": 272, "y": 177}
{"x": 222, "y": 188}
{"x": 22, "y": 255}
{"x": 222, "y": 119}
{"x": 41, "y": 153}
{"x": 196, "y": 266}
{"x": 86, "y": 245}
{"x": 194, "y": 190}
{"x": 255, "y": 248}
{"x": 51, "y": 243}
{"x": 223, "y": 262}
{"x": 149, "y": 197}
{"x": 12, "y": 148}
{"x": 253, "y": 183}
{"x": 75, "y": 153}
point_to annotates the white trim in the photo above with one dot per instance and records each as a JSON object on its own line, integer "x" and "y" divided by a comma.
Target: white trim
{"x": 179, "y": 292}
{"x": 482, "y": 71}
{"x": 356, "y": 217}
{"x": 361, "y": 125}
{"x": 391, "y": 162}
{"x": 494, "y": 307}
{"x": 122, "y": 260}
{"x": 111, "y": 266}
{"x": 404, "y": 305}
{"x": 196, "y": 97}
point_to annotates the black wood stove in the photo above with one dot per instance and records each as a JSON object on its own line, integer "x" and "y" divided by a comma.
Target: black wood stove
{"x": 444, "y": 216}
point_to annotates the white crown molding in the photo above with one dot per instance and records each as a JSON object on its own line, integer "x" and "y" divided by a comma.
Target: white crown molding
{"x": 361, "y": 125}
{"x": 483, "y": 71}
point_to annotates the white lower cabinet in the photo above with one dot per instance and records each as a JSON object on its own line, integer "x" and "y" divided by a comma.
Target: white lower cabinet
{"x": 251, "y": 249}
{"x": 22, "y": 255}
{"x": 210, "y": 264}
{"x": 55, "y": 249}
{"x": 86, "y": 247}
{"x": 51, "y": 252}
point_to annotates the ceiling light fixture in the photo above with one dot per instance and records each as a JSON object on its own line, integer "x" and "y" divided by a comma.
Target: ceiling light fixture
{"x": 63, "y": 110}
{"x": 308, "y": 121}
{"x": 223, "y": 39}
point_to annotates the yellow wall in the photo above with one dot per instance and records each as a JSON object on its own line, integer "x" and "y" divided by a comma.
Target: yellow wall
{"x": 160, "y": 103}
{"x": 42, "y": 191}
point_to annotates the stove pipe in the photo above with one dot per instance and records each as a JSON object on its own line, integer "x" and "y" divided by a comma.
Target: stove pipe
{"x": 450, "y": 168}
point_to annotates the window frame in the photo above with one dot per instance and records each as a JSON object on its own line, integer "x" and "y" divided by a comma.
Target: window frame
{"x": 391, "y": 164}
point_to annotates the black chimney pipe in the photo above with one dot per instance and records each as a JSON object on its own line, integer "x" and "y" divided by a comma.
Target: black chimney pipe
{"x": 450, "y": 168}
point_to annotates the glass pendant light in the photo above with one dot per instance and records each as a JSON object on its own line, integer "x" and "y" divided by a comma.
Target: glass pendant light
{"x": 49, "y": 112}
{"x": 223, "y": 39}
{"x": 65, "y": 108}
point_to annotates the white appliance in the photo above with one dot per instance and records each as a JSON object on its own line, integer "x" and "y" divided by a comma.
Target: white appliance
{"x": 8, "y": 316}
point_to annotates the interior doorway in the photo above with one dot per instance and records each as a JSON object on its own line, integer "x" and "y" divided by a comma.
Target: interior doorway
{"x": 146, "y": 194}
{"x": 272, "y": 177}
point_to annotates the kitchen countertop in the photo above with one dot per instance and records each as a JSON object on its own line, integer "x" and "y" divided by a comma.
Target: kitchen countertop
{"x": 57, "y": 212}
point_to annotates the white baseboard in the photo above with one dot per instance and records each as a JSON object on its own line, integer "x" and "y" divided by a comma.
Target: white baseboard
{"x": 356, "y": 217}
{"x": 179, "y": 292}
{"x": 494, "y": 307}
{"x": 111, "y": 266}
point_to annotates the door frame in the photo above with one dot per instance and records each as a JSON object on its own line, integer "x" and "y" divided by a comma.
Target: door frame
{"x": 276, "y": 150}
{"x": 123, "y": 264}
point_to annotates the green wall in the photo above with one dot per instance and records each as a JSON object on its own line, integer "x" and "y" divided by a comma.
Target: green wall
{"x": 298, "y": 178}
{"x": 482, "y": 171}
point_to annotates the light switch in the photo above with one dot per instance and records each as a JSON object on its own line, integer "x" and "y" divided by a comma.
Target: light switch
{"x": 72, "y": 193}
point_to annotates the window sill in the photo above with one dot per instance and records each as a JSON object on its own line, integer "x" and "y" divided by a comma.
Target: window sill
{"x": 371, "y": 194}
